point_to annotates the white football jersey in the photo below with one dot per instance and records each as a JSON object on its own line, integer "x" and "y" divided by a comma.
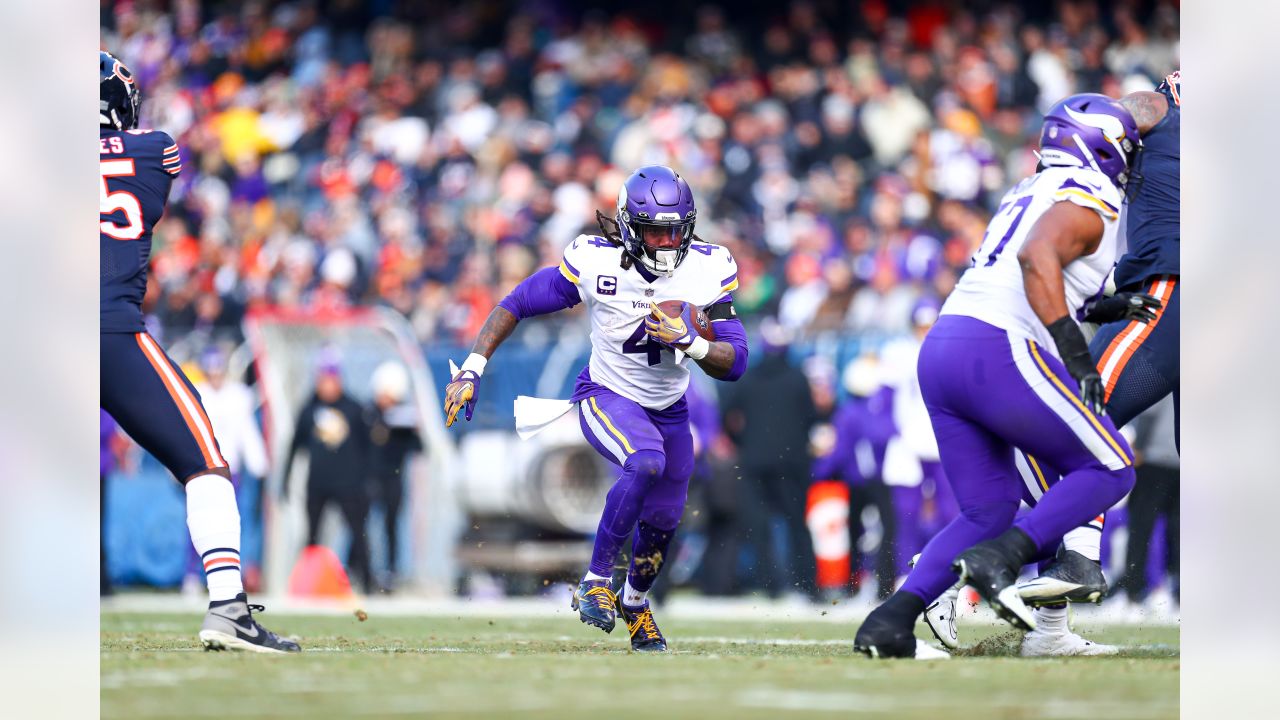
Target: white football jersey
{"x": 617, "y": 300}
{"x": 898, "y": 360}
{"x": 992, "y": 290}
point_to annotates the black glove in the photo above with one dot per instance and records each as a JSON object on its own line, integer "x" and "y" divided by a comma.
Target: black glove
{"x": 1074, "y": 352}
{"x": 1124, "y": 306}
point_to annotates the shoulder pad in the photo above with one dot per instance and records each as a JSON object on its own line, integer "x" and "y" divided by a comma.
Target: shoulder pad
{"x": 1090, "y": 189}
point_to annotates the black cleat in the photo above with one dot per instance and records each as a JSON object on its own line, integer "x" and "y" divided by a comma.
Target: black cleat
{"x": 645, "y": 635}
{"x": 889, "y": 632}
{"x": 596, "y": 604}
{"x": 229, "y": 625}
{"x": 986, "y": 567}
{"x": 1071, "y": 577}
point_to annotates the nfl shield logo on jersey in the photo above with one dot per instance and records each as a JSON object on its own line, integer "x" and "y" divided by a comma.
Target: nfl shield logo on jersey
{"x": 648, "y": 292}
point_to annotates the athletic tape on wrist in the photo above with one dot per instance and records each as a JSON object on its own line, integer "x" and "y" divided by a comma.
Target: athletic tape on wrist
{"x": 475, "y": 362}
{"x": 698, "y": 349}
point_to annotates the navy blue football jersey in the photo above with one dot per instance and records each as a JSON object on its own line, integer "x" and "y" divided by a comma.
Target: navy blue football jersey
{"x": 137, "y": 168}
{"x": 1153, "y": 221}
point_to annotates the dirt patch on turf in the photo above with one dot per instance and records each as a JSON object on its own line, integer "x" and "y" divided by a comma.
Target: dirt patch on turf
{"x": 1006, "y": 644}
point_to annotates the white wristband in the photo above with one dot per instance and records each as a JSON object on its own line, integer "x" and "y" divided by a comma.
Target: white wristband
{"x": 698, "y": 349}
{"x": 475, "y": 362}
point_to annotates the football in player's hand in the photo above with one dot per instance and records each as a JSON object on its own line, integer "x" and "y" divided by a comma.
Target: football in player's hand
{"x": 702, "y": 324}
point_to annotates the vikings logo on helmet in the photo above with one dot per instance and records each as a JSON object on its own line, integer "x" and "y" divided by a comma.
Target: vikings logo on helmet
{"x": 1093, "y": 131}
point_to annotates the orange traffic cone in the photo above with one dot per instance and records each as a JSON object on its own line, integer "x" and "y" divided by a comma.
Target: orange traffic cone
{"x": 319, "y": 574}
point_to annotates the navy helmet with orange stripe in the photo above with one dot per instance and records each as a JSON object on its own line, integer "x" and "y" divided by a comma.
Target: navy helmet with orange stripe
{"x": 118, "y": 94}
{"x": 1172, "y": 87}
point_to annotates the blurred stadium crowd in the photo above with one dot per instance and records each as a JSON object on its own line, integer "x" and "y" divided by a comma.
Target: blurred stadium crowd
{"x": 428, "y": 156}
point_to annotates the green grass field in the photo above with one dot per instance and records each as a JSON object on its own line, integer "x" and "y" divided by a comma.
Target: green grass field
{"x": 152, "y": 667}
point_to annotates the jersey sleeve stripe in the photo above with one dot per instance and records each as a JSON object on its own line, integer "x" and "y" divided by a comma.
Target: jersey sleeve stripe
{"x": 1089, "y": 190}
{"x": 173, "y": 169}
{"x": 1105, "y": 207}
{"x": 569, "y": 275}
{"x": 730, "y": 285}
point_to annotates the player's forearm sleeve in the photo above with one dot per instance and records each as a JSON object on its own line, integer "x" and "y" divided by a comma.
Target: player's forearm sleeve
{"x": 545, "y": 291}
{"x": 732, "y": 332}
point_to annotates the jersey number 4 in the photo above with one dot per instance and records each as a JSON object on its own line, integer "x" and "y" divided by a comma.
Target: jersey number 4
{"x": 639, "y": 343}
{"x": 121, "y": 200}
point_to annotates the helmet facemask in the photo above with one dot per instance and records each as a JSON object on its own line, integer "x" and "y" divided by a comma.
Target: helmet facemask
{"x": 662, "y": 245}
{"x": 656, "y": 214}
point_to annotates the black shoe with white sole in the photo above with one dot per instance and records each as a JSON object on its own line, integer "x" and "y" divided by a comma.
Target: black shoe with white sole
{"x": 1070, "y": 577}
{"x": 889, "y": 631}
{"x": 229, "y": 625}
{"x": 989, "y": 569}
{"x": 881, "y": 637}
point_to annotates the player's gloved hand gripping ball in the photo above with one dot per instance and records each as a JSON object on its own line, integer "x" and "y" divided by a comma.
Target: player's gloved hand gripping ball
{"x": 464, "y": 389}
{"x": 682, "y": 330}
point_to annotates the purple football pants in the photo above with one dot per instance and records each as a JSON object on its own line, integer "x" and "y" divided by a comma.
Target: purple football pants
{"x": 988, "y": 393}
{"x": 915, "y": 526}
{"x": 654, "y": 448}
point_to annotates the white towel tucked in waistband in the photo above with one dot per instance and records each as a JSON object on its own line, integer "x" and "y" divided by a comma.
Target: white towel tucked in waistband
{"x": 533, "y": 414}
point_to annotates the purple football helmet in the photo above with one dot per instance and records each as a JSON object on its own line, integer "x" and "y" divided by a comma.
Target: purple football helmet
{"x": 1091, "y": 130}
{"x": 656, "y": 214}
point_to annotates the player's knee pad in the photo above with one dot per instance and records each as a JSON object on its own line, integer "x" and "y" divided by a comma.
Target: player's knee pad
{"x": 647, "y": 465}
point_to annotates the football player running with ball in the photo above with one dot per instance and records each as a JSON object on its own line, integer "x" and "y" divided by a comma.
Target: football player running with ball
{"x": 1007, "y": 366}
{"x": 630, "y": 396}
{"x": 142, "y": 388}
